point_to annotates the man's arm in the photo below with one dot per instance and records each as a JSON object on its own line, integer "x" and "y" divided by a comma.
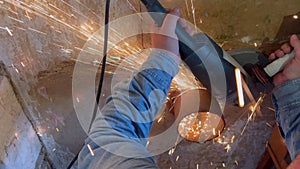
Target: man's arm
{"x": 286, "y": 98}
{"x": 119, "y": 133}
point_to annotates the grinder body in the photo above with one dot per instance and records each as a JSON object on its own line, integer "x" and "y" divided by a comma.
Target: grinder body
{"x": 202, "y": 55}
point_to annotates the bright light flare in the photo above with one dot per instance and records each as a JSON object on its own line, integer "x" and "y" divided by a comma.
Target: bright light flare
{"x": 16, "y": 135}
{"x": 91, "y": 150}
{"x": 238, "y": 78}
{"x": 159, "y": 120}
{"x": 8, "y": 31}
{"x": 232, "y": 139}
{"x": 22, "y": 64}
{"x": 227, "y": 148}
{"x": 223, "y": 164}
{"x": 171, "y": 151}
{"x": 236, "y": 163}
{"x": 254, "y": 109}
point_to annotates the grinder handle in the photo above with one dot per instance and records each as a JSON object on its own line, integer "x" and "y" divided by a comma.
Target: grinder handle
{"x": 158, "y": 13}
{"x": 278, "y": 65}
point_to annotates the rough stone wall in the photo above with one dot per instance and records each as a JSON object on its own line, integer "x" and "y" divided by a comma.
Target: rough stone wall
{"x": 19, "y": 144}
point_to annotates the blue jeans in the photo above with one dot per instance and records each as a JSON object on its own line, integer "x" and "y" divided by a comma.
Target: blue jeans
{"x": 286, "y": 100}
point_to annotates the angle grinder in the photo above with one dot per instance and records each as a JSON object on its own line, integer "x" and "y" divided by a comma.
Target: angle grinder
{"x": 200, "y": 53}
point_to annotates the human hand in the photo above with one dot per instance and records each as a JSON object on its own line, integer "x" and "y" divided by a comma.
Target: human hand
{"x": 165, "y": 38}
{"x": 291, "y": 70}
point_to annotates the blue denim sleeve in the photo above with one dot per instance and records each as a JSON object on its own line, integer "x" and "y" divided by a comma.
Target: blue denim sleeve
{"x": 286, "y": 100}
{"x": 119, "y": 133}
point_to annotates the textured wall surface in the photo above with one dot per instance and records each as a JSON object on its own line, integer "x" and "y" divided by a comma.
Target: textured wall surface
{"x": 19, "y": 144}
{"x": 38, "y": 39}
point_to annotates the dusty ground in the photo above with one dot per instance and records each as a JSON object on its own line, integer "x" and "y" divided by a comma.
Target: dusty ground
{"x": 235, "y": 23}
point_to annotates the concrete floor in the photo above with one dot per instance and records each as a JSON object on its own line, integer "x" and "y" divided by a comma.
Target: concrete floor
{"x": 47, "y": 48}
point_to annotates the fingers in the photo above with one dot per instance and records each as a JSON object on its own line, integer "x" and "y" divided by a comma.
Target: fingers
{"x": 165, "y": 37}
{"x": 170, "y": 21}
{"x": 186, "y": 27}
{"x": 272, "y": 56}
{"x": 279, "y": 53}
{"x": 285, "y": 48}
{"x": 276, "y": 54}
{"x": 295, "y": 42}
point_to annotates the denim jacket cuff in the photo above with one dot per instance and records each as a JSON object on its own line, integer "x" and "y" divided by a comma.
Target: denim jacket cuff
{"x": 163, "y": 60}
